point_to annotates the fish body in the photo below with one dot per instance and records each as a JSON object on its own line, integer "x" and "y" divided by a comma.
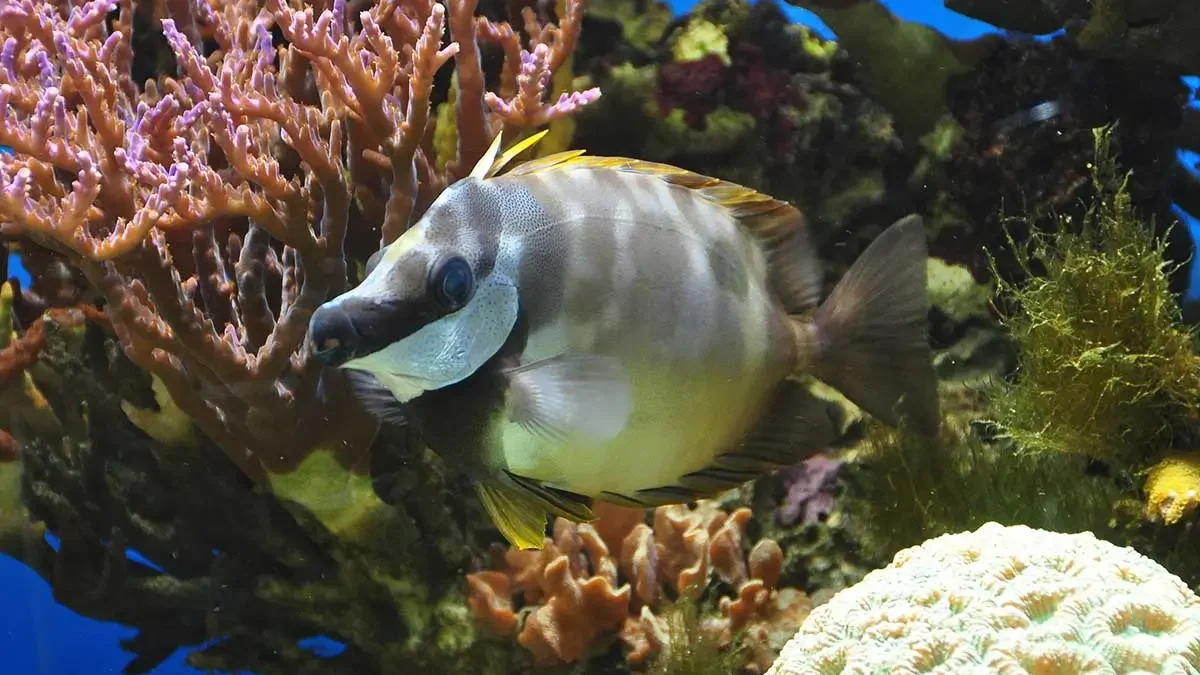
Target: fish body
{"x": 628, "y": 332}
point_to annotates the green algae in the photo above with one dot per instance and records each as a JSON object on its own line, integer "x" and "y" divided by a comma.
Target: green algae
{"x": 1106, "y": 368}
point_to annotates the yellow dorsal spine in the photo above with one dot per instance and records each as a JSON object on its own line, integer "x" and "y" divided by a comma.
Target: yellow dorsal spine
{"x": 490, "y": 165}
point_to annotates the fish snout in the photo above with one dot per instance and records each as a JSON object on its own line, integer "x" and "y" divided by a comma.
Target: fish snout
{"x": 334, "y": 336}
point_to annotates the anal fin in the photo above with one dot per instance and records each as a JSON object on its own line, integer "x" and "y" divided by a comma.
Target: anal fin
{"x": 518, "y": 506}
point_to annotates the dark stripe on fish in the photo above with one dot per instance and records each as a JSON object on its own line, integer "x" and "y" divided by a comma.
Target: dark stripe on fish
{"x": 667, "y": 494}
{"x": 622, "y": 500}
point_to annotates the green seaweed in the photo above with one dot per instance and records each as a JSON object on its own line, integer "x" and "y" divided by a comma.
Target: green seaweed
{"x": 1106, "y": 369}
{"x": 912, "y": 488}
{"x": 694, "y": 650}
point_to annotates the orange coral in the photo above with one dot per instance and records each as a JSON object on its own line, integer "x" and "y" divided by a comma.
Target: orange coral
{"x": 573, "y": 616}
{"x": 571, "y": 585}
{"x": 573, "y": 579}
{"x": 639, "y": 562}
{"x": 766, "y": 616}
{"x": 614, "y": 522}
{"x": 645, "y": 636}
{"x": 490, "y": 599}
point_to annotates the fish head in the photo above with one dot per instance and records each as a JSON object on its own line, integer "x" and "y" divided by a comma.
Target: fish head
{"x": 434, "y": 305}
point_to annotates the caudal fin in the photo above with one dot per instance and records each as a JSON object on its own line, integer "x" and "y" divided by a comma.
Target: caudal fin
{"x": 873, "y": 331}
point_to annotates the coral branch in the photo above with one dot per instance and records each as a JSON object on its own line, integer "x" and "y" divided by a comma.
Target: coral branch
{"x": 188, "y": 203}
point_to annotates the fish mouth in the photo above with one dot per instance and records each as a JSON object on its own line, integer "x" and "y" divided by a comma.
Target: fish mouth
{"x": 335, "y": 338}
{"x": 347, "y": 328}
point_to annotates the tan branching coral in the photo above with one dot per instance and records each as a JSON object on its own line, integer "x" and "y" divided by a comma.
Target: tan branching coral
{"x": 578, "y": 593}
{"x": 214, "y": 210}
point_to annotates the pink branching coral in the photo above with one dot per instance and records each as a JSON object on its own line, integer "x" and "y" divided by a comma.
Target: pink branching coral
{"x": 579, "y": 593}
{"x": 214, "y": 209}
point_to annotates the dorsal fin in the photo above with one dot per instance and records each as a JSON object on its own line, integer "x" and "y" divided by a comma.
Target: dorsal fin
{"x": 516, "y": 149}
{"x": 490, "y": 165}
{"x": 484, "y": 166}
{"x": 780, "y": 227}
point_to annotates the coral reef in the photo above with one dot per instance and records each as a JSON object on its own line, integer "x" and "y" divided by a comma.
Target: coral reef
{"x": 1102, "y": 392}
{"x": 233, "y": 568}
{"x": 579, "y": 595}
{"x": 1005, "y": 599}
{"x": 834, "y": 144}
{"x": 991, "y": 164}
{"x": 192, "y": 199}
{"x": 156, "y": 392}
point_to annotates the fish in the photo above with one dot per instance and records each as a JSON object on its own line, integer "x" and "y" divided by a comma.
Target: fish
{"x": 1046, "y": 110}
{"x": 584, "y": 328}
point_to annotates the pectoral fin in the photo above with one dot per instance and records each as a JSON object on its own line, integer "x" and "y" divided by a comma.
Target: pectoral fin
{"x": 376, "y": 398}
{"x": 518, "y": 506}
{"x": 581, "y": 396}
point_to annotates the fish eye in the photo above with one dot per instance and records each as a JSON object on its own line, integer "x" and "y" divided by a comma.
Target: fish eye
{"x": 452, "y": 283}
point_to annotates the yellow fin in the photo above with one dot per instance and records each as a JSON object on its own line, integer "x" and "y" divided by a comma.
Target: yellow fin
{"x": 516, "y": 149}
{"x": 778, "y": 226}
{"x": 518, "y": 507}
{"x": 484, "y": 165}
{"x": 493, "y": 161}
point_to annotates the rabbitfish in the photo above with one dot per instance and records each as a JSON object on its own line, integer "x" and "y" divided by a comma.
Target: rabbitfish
{"x": 598, "y": 328}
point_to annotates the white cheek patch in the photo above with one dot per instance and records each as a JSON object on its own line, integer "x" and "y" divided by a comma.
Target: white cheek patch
{"x": 450, "y": 349}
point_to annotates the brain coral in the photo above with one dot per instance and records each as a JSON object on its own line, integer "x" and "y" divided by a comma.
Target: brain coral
{"x": 1005, "y": 601}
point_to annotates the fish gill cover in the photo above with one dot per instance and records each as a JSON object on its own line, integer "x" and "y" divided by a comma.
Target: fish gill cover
{"x": 155, "y": 396}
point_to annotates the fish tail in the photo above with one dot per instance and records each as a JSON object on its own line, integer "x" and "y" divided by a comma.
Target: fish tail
{"x": 869, "y": 339}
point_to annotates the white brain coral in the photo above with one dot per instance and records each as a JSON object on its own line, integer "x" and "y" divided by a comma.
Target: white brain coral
{"x": 1005, "y": 601}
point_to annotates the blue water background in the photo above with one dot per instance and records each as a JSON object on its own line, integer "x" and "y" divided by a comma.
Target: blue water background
{"x": 40, "y": 637}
